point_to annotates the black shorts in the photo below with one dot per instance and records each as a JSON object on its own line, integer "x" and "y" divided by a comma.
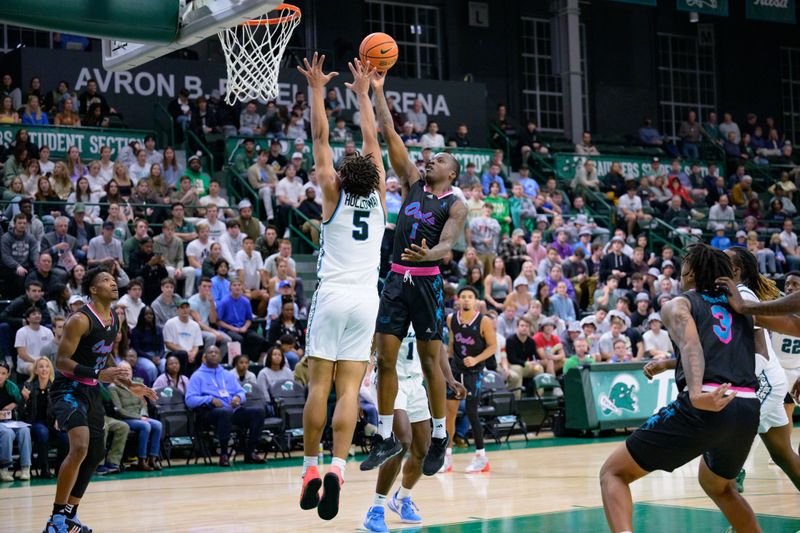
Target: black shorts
{"x": 471, "y": 381}
{"x": 788, "y": 400}
{"x": 418, "y": 301}
{"x": 74, "y": 404}
{"x": 679, "y": 432}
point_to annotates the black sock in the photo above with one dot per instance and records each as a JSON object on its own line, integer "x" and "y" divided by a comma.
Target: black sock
{"x": 71, "y": 510}
{"x": 59, "y": 509}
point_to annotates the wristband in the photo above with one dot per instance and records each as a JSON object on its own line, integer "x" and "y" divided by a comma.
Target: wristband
{"x": 83, "y": 371}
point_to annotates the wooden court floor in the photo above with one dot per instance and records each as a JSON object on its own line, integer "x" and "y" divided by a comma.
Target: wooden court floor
{"x": 545, "y": 485}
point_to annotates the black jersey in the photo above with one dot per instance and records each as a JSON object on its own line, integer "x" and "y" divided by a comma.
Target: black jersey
{"x": 728, "y": 342}
{"x": 422, "y": 216}
{"x": 94, "y": 347}
{"x": 467, "y": 342}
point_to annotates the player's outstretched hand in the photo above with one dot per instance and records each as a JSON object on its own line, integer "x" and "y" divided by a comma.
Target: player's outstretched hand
{"x": 313, "y": 71}
{"x": 377, "y": 80}
{"x": 458, "y": 389}
{"x": 362, "y": 74}
{"x": 715, "y": 401}
{"x": 143, "y": 391}
{"x": 416, "y": 253}
{"x": 734, "y": 298}
{"x": 653, "y": 368}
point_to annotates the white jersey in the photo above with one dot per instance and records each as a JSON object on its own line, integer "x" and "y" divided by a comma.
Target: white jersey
{"x": 408, "y": 364}
{"x": 771, "y": 378}
{"x": 788, "y": 350}
{"x": 350, "y": 249}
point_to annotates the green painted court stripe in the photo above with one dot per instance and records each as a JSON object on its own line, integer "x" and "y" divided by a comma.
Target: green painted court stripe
{"x": 646, "y": 517}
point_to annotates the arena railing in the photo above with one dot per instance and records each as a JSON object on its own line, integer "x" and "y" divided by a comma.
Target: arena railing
{"x": 239, "y": 188}
{"x": 164, "y": 125}
{"x": 201, "y": 146}
{"x": 297, "y": 230}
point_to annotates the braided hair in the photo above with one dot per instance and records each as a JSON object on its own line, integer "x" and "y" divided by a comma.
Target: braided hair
{"x": 707, "y": 264}
{"x": 359, "y": 175}
{"x": 764, "y": 289}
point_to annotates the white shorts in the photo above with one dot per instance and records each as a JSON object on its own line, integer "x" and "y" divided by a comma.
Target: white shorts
{"x": 773, "y": 414}
{"x": 411, "y": 398}
{"x": 792, "y": 375}
{"x": 341, "y": 323}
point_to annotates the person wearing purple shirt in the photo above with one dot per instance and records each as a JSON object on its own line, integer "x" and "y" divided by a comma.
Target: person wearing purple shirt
{"x": 556, "y": 276}
{"x": 219, "y": 401}
{"x": 235, "y": 317}
{"x": 561, "y": 245}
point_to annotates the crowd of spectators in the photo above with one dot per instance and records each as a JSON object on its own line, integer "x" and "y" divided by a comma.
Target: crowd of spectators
{"x": 201, "y": 279}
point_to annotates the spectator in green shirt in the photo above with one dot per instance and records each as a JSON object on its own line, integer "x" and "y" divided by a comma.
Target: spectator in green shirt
{"x": 581, "y": 357}
{"x": 245, "y": 158}
{"x": 200, "y": 180}
{"x": 501, "y": 210}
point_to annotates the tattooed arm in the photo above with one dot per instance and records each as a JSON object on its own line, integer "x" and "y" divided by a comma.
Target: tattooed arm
{"x": 677, "y": 316}
{"x": 406, "y": 171}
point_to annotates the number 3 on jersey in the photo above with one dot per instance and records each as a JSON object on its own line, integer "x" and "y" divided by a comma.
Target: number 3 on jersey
{"x": 723, "y": 330}
{"x": 360, "y": 226}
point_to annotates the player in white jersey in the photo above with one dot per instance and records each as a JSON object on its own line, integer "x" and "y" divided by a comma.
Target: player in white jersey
{"x": 412, "y": 427}
{"x": 341, "y": 320}
{"x": 787, "y": 348}
{"x": 774, "y": 427}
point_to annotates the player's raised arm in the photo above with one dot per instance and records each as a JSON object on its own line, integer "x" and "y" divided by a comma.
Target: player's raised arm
{"x": 323, "y": 157}
{"x": 406, "y": 171}
{"x": 362, "y": 74}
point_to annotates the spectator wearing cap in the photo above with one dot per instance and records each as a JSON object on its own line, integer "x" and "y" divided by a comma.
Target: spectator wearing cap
{"x": 590, "y": 333}
{"x": 741, "y": 239}
{"x": 249, "y": 225}
{"x": 30, "y": 339}
{"x": 584, "y": 241}
{"x": 616, "y": 263}
{"x": 80, "y": 229}
{"x": 408, "y": 135}
{"x": 75, "y": 302}
{"x": 299, "y": 166}
{"x": 657, "y": 344}
{"x": 513, "y": 250}
{"x": 200, "y": 180}
{"x": 570, "y": 335}
{"x": 549, "y": 349}
{"x": 521, "y": 297}
{"x": 284, "y": 292}
{"x": 641, "y": 311}
{"x": 246, "y": 157}
{"x": 720, "y": 240}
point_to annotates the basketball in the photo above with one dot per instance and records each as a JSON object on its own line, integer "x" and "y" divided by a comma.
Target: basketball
{"x": 380, "y": 50}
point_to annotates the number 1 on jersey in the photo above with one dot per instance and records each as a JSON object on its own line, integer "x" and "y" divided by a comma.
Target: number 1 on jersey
{"x": 414, "y": 227}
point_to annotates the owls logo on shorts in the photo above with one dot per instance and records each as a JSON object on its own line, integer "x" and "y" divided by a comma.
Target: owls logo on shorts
{"x": 764, "y": 387}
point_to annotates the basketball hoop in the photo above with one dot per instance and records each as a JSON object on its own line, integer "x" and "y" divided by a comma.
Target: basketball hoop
{"x": 253, "y": 52}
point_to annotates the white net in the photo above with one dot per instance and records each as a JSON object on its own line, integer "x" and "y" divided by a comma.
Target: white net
{"x": 253, "y": 53}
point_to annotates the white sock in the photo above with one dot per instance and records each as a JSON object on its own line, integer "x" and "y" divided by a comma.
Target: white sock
{"x": 379, "y": 500}
{"x": 341, "y": 463}
{"x": 480, "y": 453}
{"x": 403, "y": 493}
{"x": 449, "y": 451}
{"x": 385, "y": 423}
{"x": 309, "y": 461}
{"x": 439, "y": 431}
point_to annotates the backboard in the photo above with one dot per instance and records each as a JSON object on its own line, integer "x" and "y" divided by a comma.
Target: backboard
{"x": 199, "y": 19}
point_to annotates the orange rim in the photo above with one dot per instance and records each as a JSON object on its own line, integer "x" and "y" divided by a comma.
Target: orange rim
{"x": 295, "y": 14}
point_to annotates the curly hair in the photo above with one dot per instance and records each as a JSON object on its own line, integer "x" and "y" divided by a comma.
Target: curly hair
{"x": 359, "y": 175}
{"x": 707, "y": 264}
{"x": 90, "y": 278}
